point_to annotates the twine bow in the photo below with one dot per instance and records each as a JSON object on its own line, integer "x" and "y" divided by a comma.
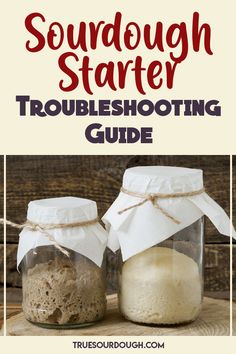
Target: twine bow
{"x": 153, "y": 198}
{"x": 44, "y": 227}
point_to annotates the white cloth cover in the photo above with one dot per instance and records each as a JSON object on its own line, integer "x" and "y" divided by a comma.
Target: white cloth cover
{"x": 145, "y": 226}
{"x": 90, "y": 241}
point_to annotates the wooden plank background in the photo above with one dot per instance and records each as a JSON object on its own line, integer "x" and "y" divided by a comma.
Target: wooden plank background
{"x": 234, "y": 222}
{"x": 1, "y": 231}
{"x": 100, "y": 178}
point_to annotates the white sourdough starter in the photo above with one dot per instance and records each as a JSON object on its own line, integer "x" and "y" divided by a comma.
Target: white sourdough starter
{"x": 160, "y": 286}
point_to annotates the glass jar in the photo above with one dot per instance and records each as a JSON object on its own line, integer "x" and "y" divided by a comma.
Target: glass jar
{"x": 164, "y": 284}
{"x": 157, "y": 223}
{"x": 63, "y": 290}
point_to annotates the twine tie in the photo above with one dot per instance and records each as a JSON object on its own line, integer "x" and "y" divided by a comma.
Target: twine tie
{"x": 43, "y": 228}
{"x": 153, "y": 198}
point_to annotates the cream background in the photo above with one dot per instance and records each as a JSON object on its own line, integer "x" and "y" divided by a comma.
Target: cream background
{"x": 38, "y": 75}
{"x": 173, "y": 345}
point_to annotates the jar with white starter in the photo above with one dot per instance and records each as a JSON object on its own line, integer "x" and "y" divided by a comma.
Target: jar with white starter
{"x": 61, "y": 257}
{"x": 157, "y": 224}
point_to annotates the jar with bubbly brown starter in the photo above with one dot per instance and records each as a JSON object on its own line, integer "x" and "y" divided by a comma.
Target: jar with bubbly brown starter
{"x": 62, "y": 291}
{"x": 61, "y": 258}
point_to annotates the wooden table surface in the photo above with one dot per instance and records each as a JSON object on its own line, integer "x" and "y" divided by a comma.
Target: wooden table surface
{"x": 213, "y": 321}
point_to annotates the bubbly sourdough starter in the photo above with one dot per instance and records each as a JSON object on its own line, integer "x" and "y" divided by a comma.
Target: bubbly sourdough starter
{"x": 160, "y": 286}
{"x": 59, "y": 292}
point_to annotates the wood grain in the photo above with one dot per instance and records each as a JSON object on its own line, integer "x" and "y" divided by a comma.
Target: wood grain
{"x": 234, "y": 222}
{"x": 1, "y": 230}
{"x": 1, "y": 197}
{"x": 234, "y": 190}
{"x": 213, "y": 321}
{"x": 217, "y": 271}
{"x": 99, "y": 178}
